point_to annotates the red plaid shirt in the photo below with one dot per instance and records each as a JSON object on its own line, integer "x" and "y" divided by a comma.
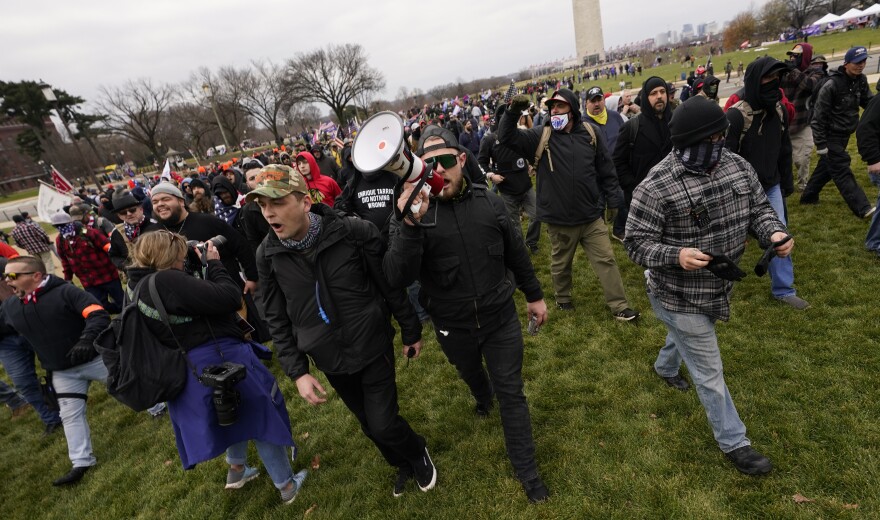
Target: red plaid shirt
{"x": 86, "y": 257}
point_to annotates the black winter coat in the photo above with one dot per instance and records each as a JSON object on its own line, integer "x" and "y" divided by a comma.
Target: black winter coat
{"x": 634, "y": 158}
{"x": 868, "y": 132}
{"x": 344, "y": 272}
{"x": 571, "y": 174}
{"x": 469, "y": 265}
{"x": 496, "y": 158}
{"x": 836, "y": 112}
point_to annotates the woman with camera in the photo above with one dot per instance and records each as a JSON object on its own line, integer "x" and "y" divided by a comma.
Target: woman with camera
{"x": 229, "y": 397}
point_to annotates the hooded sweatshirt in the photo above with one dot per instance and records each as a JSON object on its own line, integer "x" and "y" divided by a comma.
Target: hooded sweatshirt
{"x": 766, "y": 144}
{"x": 572, "y": 173}
{"x": 322, "y": 188}
{"x": 798, "y": 86}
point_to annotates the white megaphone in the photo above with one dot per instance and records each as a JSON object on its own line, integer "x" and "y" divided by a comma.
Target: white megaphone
{"x": 380, "y": 145}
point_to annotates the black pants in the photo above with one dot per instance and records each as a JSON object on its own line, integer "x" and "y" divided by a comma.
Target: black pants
{"x": 502, "y": 350}
{"x": 371, "y": 395}
{"x": 835, "y": 166}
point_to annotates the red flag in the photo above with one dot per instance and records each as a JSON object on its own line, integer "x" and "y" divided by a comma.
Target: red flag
{"x": 61, "y": 184}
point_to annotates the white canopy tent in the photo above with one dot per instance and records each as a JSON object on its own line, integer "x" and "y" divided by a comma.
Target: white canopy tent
{"x": 852, "y": 13}
{"x": 828, "y": 18}
{"x": 874, "y": 9}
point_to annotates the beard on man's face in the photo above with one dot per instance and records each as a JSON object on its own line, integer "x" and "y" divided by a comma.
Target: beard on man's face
{"x": 173, "y": 218}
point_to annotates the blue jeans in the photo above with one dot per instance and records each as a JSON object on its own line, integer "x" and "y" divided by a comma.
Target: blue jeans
{"x": 10, "y": 397}
{"x": 106, "y": 292}
{"x": 502, "y": 351}
{"x": 691, "y": 337}
{"x": 872, "y": 240}
{"x": 76, "y": 380}
{"x": 17, "y": 358}
{"x": 274, "y": 458}
{"x": 781, "y": 269}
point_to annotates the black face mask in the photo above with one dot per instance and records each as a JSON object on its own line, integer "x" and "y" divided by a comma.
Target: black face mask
{"x": 796, "y": 59}
{"x": 769, "y": 94}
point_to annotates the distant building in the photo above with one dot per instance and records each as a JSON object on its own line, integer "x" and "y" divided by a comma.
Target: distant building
{"x": 17, "y": 170}
{"x": 589, "y": 43}
{"x": 712, "y": 28}
{"x": 687, "y": 32}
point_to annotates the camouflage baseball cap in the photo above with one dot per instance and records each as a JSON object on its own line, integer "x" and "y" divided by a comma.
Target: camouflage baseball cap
{"x": 278, "y": 180}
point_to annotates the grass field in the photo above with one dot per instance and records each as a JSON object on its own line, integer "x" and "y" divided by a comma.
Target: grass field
{"x": 613, "y": 441}
{"x": 833, "y": 46}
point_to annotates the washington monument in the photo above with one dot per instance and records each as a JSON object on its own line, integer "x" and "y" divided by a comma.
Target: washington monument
{"x": 588, "y": 30}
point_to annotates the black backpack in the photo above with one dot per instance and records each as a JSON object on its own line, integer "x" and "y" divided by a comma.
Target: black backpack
{"x": 142, "y": 371}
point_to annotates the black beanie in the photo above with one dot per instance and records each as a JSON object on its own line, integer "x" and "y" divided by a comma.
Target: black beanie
{"x": 652, "y": 83}
{"x": 695, "y": 120}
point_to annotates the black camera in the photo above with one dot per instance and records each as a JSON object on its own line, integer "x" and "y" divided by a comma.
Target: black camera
{"x": 192, "y": 259}
{"x": 223, "y": 378}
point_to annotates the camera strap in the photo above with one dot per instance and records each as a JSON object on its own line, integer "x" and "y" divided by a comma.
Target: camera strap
{"x": 163, "y": 315}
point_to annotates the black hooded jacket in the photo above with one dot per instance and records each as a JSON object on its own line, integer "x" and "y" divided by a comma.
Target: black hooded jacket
{"x": 572, "y": 172}
{"x": 634, "y": 158}
{"x": 766, "y": 144}
{"x": 62, "y": 316}
{"x": 494, "y": 157}
{"x": 469, "y": 264}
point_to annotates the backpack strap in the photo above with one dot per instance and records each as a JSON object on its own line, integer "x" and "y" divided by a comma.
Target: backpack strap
{"x": 633, "y": 129}
{"x": 163, "y": 317}
{"x": 544, "y": 143}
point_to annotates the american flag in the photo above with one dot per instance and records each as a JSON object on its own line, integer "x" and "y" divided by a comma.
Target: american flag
{"x": 511, "y": 91}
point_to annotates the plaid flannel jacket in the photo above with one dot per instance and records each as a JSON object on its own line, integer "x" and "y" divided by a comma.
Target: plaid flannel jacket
{"x": 86, "y": 257}
{"x": 660, "y": 224}
{"x": 32, "y": 238}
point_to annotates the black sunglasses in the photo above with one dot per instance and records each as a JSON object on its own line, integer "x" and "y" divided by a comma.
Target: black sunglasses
{"x": 128, "y": 211}
{"x": 447, "y": 161}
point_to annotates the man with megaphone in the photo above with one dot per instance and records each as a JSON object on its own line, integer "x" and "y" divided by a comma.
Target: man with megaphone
{"x": 470, "y": 258}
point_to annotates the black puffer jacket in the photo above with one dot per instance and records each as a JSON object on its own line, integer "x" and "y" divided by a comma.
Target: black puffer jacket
{"x": 572, "y": 173}
{"x": 836, "y": 112}
{"x": 469, "y": 265}
{"x": 868, "y": 132}
{"x": 344, "y": 271}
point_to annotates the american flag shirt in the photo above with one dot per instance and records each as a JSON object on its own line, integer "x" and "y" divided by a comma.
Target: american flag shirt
{"x": 661, "y": 224}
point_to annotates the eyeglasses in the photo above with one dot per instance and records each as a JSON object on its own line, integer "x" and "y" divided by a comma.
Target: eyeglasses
{"x": 446, "y": 160}
{"x": 128, "y": 211}
{"x": 14, "y": 276}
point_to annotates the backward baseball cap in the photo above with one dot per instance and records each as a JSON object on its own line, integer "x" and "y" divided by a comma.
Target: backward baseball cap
{"x": 276, "y": 181}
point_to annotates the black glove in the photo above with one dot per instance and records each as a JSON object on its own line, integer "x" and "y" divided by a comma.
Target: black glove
{"x": 519, "y": 103}
{"x": 83, "y": 352}
{"x": 724, "y": 268}
{"x": 769, "y": 254}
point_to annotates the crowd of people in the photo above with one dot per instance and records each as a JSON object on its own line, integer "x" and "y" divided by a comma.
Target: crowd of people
{"x": 317, "y": 256}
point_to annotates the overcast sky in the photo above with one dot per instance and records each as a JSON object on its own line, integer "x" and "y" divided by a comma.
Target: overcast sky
{"x": 79, "y": 46}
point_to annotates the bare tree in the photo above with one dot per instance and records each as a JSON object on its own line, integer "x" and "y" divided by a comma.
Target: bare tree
{"x": 334, "y": 76}
{"x": 226, "y": 89}
{"x": 137, "y": 110}
{"x": 303, "y": 116}
{"x": 265, "y": 95}
{"x": 800, "y": 10}
{"x": 774, "y": 18}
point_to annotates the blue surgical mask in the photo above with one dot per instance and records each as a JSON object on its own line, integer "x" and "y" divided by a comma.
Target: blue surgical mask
{"x": 559, "y": 121}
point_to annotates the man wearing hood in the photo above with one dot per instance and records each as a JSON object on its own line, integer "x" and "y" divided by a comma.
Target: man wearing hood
{"x": 469, "y": 265}
{"x": 798, "y": 86}
{"x": 707, "y": 87}
{"x": 322, "y": 188}
{"x": 642, "y": 143}
{"x": 509, "y": 172}
{"x": 767, "y": 147}
{"x": 572, "y": 175}
{"x": 227, "y": 202}
{"x": 326, "y": 164}
{"x": 835, "y": 118}
{"x": 700, "y": 200}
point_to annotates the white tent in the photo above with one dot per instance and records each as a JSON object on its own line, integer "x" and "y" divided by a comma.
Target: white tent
{"x": 852, "y": 13}
{"x": 828, "y": 18}
{"x": 874, "y": 9}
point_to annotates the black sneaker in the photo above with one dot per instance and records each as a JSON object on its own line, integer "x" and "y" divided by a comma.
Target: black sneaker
{"x": 626, "y": 315}
{"x": 51, "y": 428}
{"x": 425, "y": 472}
{"x": 533, "y": 250}
{"x": 74, "y": 475}
{"x": 677, "y": 381}
{"x": 404, "y": 474}
{"x": 565, "y": 306}
{"x": 536, "y": 490}
{"x": 482, "y": 409}
{"x": 749, "y": 461}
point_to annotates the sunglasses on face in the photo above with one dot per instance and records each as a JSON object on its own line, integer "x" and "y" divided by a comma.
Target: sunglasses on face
{"x": 447, "y": 161}
{"x": 14, "y": 276}
{"x": 127, "y": 211}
